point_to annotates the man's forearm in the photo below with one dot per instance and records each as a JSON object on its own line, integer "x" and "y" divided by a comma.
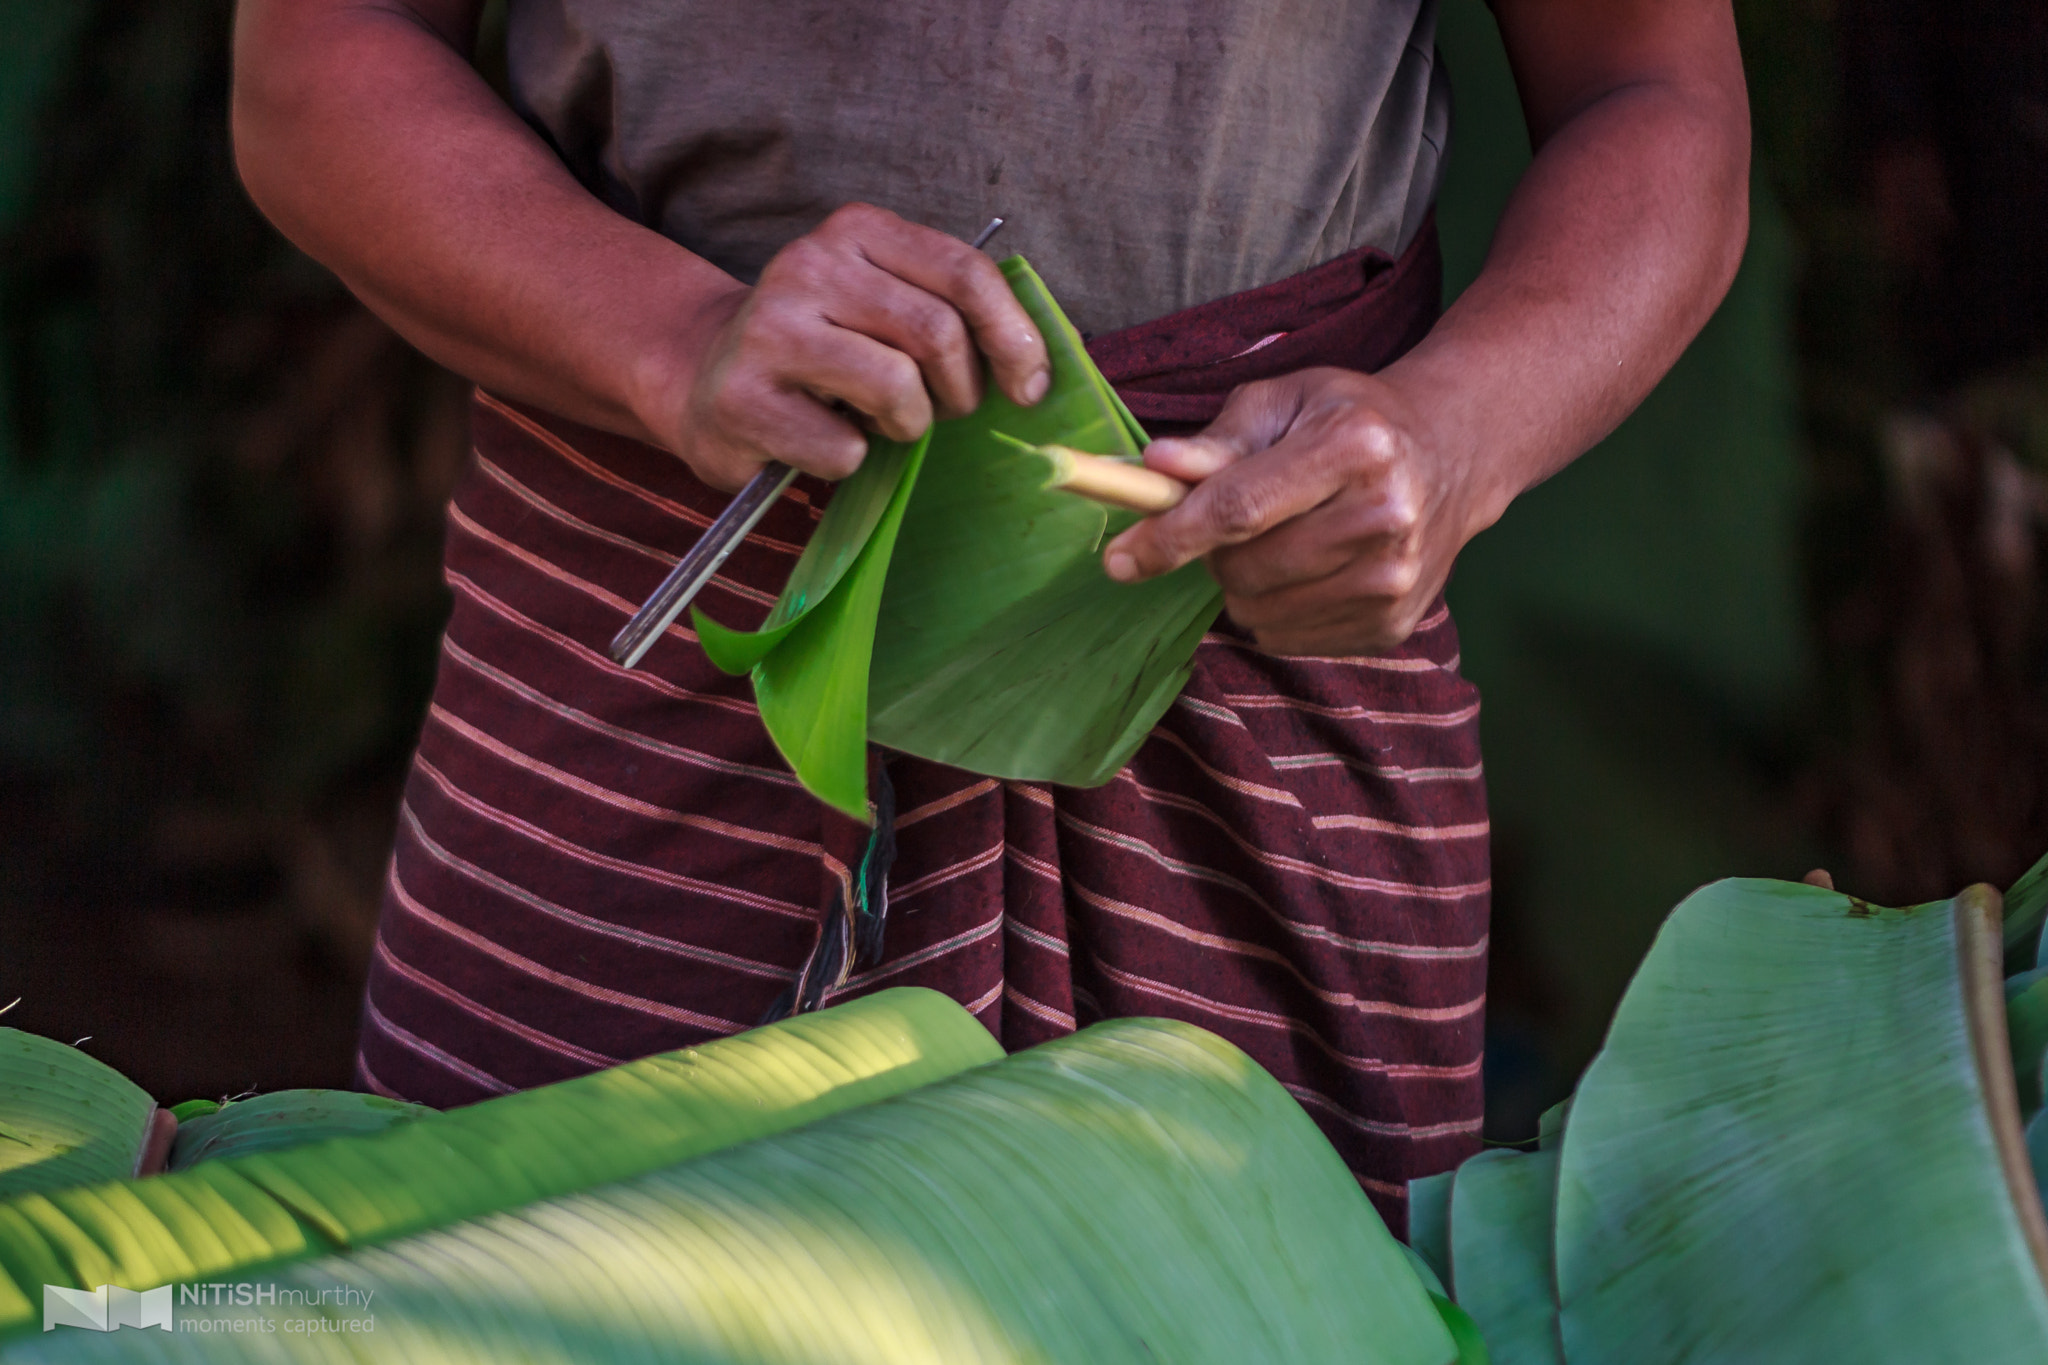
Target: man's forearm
{"x": 1617, "y": 246}
{"x": 368, "y": 139}
{"x": 1332, "y": 504}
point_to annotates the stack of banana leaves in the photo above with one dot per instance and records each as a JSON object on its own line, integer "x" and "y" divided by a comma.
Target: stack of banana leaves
{"x": 873, "y": 1182}
{"x": 1806, "y": 1139}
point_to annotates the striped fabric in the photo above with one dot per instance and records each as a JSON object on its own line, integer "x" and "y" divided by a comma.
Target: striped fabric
{"x": 594, "y": 864}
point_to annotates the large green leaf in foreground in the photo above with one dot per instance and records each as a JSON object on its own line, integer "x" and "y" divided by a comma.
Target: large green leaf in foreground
{"x": 1139, "y": 1192}
{"x": 968, "y": 620}
{"x": 65, "y": 1118}
{"x": 1786, "y": 1151}
{"x": 228, "y": 1216}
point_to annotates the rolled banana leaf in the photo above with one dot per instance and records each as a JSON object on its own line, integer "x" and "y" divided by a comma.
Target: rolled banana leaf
{"x": 1137, "y": 1192}
{"x": 951, "y": 606}
{"x": 1502, "y": 1205}
{"x": 227, "y": 1216}
{"x": 1801, "y": 1143}
{"x": 284, "y": 1118}
{"x": 65, "y": 1118}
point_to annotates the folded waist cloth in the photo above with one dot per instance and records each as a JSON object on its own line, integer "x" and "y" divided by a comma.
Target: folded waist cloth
{"x": 594, "y": 864}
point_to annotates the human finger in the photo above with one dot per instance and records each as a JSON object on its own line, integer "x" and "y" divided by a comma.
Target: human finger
{"x": 1326, "y": 447}
{"x": 1342, "y": 614}
{"x": 1253, "y": 418}
{"x": 966, "y": 279}
{"x": 757, "y": 421}
{"x": 1377, "y": 524}
{"x": 918, "y": 323}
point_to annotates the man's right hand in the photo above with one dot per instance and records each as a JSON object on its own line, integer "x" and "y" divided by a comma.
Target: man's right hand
{"x": 867, "y": 321}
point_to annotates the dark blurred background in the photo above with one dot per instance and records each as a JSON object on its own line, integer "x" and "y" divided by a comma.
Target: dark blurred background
{"x": 1789, "y": 616}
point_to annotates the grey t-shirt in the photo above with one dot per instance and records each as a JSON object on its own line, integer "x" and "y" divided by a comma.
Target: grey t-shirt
{"x": 1149, "y": 154}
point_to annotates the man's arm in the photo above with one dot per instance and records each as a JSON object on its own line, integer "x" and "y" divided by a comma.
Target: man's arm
{"x": 365, "y": 135}
{"x": 1332, "y": 504}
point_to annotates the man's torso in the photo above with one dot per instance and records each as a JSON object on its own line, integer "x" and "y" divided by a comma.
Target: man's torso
{"x": 1149, "y": 156}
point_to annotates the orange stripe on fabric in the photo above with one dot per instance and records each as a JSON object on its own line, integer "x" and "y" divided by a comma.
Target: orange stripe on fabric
{"x": 1476, "y": 830}
{"x": 1290, "y": 762}
{"x": 946, "y": 803}
{"x": 1036, "y": 866}
{"x": 613, "y": 538}
{"x": 371, "y": 1079}
{"x": 1222, "y": 779}
{"x": 535, "y": 697}
{"x": 485, "y": 1014}
{"x": 639, "y": 938}
{"x": 1314, "y": 1099}
{"x": 1036, "y": 938}
{"x": 1265, "y": 1019}
{"x": 659, "y": 876}
{"x": 1045, "y": 1014}
{"x": 1428, "y": 1014}
{"x": 1360, "y": 822}
{"x": 1344, "y": 880}
{"x": 986, "y": 999}
{"x": 1432, "y": 719}
{"x": 964, "y": 939}
{"x": 598, "y": 471}
{"x": 619, "y": 800}
{"x": 897, "y": 895}
{"x": 575, "y": 984}
{"x": 469, "y": 526}
{"x": 465, "y": 586}
{"x": 420, "y": 1047}
{"x": 1379, "y": 663}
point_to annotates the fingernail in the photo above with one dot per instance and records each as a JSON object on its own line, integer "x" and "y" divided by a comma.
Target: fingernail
{"x": 1036, "y": 387}
{"x": 1122, "y": 567}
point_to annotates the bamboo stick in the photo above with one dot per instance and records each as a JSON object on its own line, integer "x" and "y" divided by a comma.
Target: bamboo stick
{"x": 1118, "y": 483}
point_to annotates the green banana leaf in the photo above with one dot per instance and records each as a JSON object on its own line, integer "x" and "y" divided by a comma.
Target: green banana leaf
{"x": 2026, "y": 1025}
{"x": 227, "y": 1216}
{"x": 1429, "y": 1223}
{"x": 1137, "y": 1192}
{"x": 977, "y": 628}
{"x": 2037, "y": 1152}
{"x": 65, "y": 1118}
{"x": 1502, "y": 1205}
{"x": 811, "y": 666}
{"x": 1786, "y": 1151}
{"x": 1465, "y": 1333}
{"x": 1426, "y": 1272}
{"x": 284, "y": 1118}
{"x": 2026, "y": 907}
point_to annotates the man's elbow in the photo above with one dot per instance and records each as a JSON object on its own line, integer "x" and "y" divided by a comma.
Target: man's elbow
{"x": 260, "y": 108}
{"x": 1718, "y": 148}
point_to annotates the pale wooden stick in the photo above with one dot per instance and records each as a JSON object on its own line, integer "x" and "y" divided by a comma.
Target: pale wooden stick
{"x": 1117, "y": 483}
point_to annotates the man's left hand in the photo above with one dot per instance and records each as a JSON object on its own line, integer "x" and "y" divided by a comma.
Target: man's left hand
{"x": 1324, "y": 505}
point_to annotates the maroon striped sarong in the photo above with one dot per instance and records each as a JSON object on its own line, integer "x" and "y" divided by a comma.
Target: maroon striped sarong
{"x": 594, "y": 864}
